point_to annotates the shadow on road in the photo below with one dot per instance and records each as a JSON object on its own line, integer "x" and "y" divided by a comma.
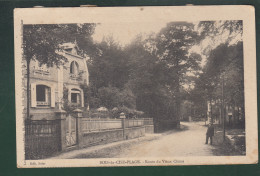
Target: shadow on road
{"x": 181, "y": 129}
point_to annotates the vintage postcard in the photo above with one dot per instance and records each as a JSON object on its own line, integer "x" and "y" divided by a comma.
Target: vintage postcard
{"x": 135, "y": 86}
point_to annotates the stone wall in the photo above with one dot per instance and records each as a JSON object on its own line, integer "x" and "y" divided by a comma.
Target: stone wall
{"x": 42, "y": 113}
{"x": 134, "y": 132}
{"x": 100, "y": 137}
{"x": 107, "y": 136}
{"x": 149, "y": 129}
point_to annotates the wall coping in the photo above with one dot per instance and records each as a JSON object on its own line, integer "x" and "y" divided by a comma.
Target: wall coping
{"x": 91, "y": 132}
{"x": 135, "y": 127}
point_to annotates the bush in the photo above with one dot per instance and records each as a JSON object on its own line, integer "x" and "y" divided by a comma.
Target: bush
{"x": 111, "y": 97}
{"x": 129, "y": 113}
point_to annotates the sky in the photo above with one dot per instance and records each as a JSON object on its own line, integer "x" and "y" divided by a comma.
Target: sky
{"x": 125, "y": 33}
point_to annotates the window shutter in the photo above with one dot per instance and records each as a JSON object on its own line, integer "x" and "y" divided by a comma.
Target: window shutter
{"x": 47, "y": 95}
{"x": 82, "y": 98}
{"x": 69, "y": 95}
{"x": 53, "y": 96}
{"x": 33, "y": 95}
{"x": 78, "y": 99}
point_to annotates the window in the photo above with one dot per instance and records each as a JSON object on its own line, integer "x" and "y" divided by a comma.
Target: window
{"x": 75, "y": 96}
{"x": 68, "y": 50}
{"x": 74, "y": 68}
{"x": 42, "y": 95}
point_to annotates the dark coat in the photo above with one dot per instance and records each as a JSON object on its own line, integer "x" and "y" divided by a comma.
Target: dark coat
{"x": 210, "y": 131}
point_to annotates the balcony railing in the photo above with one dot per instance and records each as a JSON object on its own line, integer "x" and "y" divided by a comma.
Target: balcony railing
{"x": 41, "y": 70}
{"x": 77, "y": 76}
{"x": 74, "y": 76}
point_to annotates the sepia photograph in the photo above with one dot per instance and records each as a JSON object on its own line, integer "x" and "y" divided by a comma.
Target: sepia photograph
{"x": 97, "y": 89}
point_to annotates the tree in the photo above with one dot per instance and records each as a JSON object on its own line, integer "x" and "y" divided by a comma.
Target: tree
{"x": 214, "y": 33}
{"x": 217, "y": 38}
{"x": 225, "y": 63}
{"x": 109, "y": 66}
{"x": 144, "y": 76}
{"x": 173, "y": 43}
{"x": 42, "y": 42}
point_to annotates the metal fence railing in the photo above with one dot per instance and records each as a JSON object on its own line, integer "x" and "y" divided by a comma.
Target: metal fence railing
{"x": 42, "y": 138}
{"x": 94, "y": 124}
{"x": 148, "y": 121}
{"x": 134, "y": 122}
{"x": 90, "y": 125}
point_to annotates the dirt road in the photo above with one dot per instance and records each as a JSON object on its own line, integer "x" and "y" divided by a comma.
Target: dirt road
{"x": 187, "y": 142}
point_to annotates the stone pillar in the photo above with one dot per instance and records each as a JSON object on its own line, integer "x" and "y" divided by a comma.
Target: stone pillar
{"x": 123, "y": 126}
{"x": 78, "y": 114}
{"x": 122, "y": 116}
{"x": 61, "y": 116}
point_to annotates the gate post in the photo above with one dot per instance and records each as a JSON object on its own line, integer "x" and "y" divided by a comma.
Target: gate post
{"x": 78, "y": 114}
{"x": 61, "y": 116}
{"x": 122, "y": 116}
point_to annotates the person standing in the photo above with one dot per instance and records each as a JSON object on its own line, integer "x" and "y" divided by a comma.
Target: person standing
{"x": 210, "y": 133}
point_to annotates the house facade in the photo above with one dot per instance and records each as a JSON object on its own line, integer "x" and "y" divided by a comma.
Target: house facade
{"x": 49, "y": 86}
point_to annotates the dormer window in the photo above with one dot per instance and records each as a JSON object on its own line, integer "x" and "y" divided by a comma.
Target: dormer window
{"x": 74, "y": 68}
{"x": 68, "y": 50}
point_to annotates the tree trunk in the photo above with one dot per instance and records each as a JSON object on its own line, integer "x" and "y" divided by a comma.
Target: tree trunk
{"x": 243, "y": 112}
{"x": 211, "y": 116}
{"x": 206, "y": 111}
{"x": 234, "y": 113}
{"x": 28, "y": 89}
{"x": 220, "y": 116}
{"x": 178, "y": 102}
{"x": 233, "y": 116}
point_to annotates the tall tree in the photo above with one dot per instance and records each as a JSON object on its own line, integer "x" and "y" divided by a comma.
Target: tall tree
{"x": 214, "y": 33}
{"x": 173, "y": 43}
{"x": 43, "y": 43}
{"x": 225, "y": 63}
{"x": 109, "y": 66}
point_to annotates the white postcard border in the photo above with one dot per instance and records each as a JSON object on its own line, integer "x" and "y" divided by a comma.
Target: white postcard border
{"x": 148, "y": 14}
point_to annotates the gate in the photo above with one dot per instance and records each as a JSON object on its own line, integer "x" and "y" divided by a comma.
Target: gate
{"x": 71, "y": 131}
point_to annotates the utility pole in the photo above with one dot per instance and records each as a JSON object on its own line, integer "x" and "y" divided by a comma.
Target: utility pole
{"x": 206, "y": 112}
{"x": 223, "y": 114}
{"x": 211, "y": 117}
